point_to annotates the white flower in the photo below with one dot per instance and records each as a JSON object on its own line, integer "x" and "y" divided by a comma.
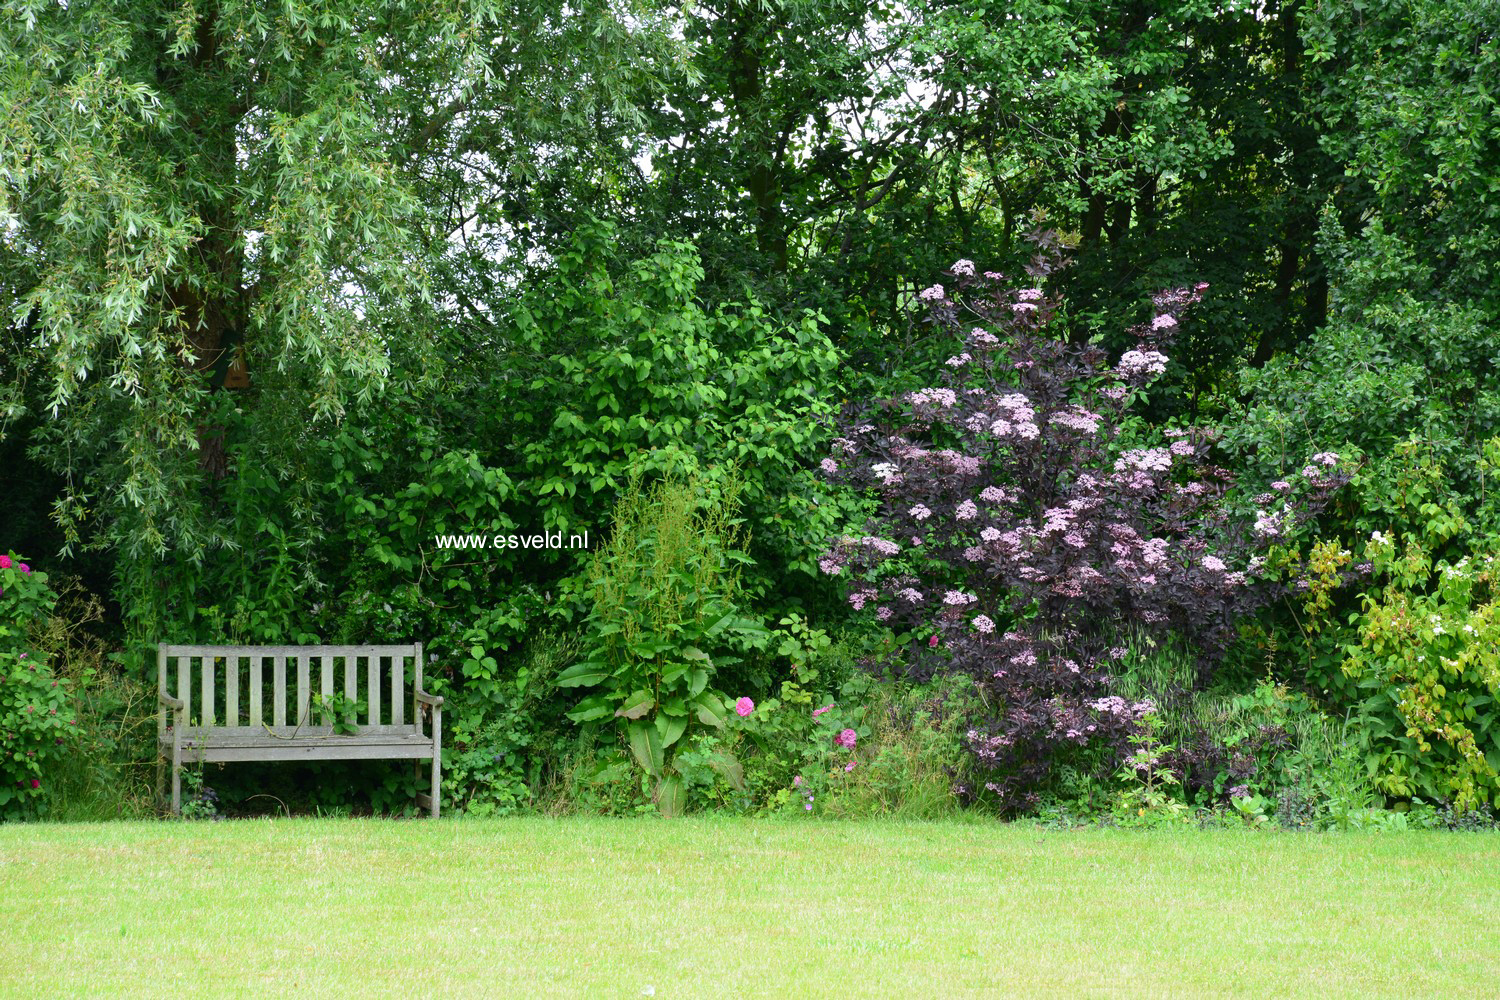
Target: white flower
{"x": 964, "y": 267}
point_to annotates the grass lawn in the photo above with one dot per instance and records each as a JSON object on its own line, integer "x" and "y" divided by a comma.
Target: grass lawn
{"x": 717, "y": 907}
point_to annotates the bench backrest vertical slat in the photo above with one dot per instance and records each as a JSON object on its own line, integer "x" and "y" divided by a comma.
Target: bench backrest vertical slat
{"x": 351, "y": 684}
{"x": 398, "y": 682}
{"x": 373, "y": 684}
{"x": 304, "y": 691}
{"x": 185, "y": 687}
{"x": 278, "y": 688}
{"x": 326, "y": 689}
{"x": 416, "y": 685}
{"x": 231, "y": 690}
{"x": 207, "y": 673}
{"x": 257, "y": 689}
{"x": 161, "y": 686}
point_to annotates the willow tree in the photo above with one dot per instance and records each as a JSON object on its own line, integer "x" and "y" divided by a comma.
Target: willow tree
{"x": 221, "y": 207}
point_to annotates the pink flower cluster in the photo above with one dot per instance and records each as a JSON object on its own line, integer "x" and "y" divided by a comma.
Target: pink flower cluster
{"x": 1136, "y": 363}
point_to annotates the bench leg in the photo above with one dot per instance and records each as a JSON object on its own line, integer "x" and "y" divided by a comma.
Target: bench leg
{"x": 176, "y": 775}
{"x": 437, "y": 760}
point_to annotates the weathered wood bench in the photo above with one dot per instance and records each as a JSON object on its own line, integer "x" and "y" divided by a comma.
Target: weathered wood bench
{"x": 223, "y": 715}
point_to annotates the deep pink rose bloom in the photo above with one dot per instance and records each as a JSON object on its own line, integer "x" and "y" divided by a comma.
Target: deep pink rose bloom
{"x": 744, "y": 707}
{"x": 35, "y": 783}
{"x": 846, "y": 738}
{"x": 4, "y": 562}
{"x": 25, "y": 568}
{"x": 932, "y": 642}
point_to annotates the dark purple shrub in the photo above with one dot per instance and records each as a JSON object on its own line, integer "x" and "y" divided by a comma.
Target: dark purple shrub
{"x": 1020, "y": 538}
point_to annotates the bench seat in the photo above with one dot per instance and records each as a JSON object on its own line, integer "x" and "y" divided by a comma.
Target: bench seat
{"x": 225, "y": 745}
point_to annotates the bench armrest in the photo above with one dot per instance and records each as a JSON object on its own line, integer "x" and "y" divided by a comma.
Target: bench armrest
{"x": 164, "y": 699}
{"x": 436, "y": 701}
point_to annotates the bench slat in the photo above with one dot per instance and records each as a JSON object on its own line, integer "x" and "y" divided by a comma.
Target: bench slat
{"x": 273, "y": 735}
{"x": 206, "y": 671}
{"x": 398, "y": 690}
{"x": 278, "y": 690}
{"x": 351, "y": 685}
{"x": 373, "y": 685}
{"x": 257, "y": 686}
{"x": 185, "y": 687}
{"x": 326, "y": 688}
{"x": 232, "y": 691}
{"x": 304, "y": 691}
{"x": 229, "y": 650}
{"x": 315, "y": 750}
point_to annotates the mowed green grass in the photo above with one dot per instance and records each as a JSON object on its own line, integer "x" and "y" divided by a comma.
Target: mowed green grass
{"x": 717, "y": 907}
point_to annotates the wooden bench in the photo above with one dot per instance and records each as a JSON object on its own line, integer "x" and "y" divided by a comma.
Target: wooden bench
{"x": 347, "y": 703}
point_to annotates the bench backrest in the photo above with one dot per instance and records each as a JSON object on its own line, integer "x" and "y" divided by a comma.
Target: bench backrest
{"x": 257, "y": 686}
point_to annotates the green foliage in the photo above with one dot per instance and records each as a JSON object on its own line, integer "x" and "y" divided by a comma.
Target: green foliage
{"x": 1147, "y": 798}
{"x": 626, "y": 370}
{"x": 35, "y": 713}
{"x": 504, "y": 741}
{"x": 1426, "y": 666}
{"x": 105, "y": 770}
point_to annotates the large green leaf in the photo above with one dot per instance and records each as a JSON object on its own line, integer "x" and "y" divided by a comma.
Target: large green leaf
{"x": 710, "y": 710}
{"x": 582, "y": 674}
{"x": 728, "y": 765}
{"x": 646, "y": 745}
{"x": 672, "y": 727}
{"x": 590, "y": 709}
{"x": 636, "y": 705}
{"x": 671, "y": 797}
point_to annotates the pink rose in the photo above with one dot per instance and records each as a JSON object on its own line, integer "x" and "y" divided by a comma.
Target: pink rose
{"x": 932, "y": 642}
{"x": 846, "y": 738}
{"x": 25, "y": 568}
{"x": 4, "y": 562}
{"x": 35, "y": 783}
{"x": 744, "y": 707}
